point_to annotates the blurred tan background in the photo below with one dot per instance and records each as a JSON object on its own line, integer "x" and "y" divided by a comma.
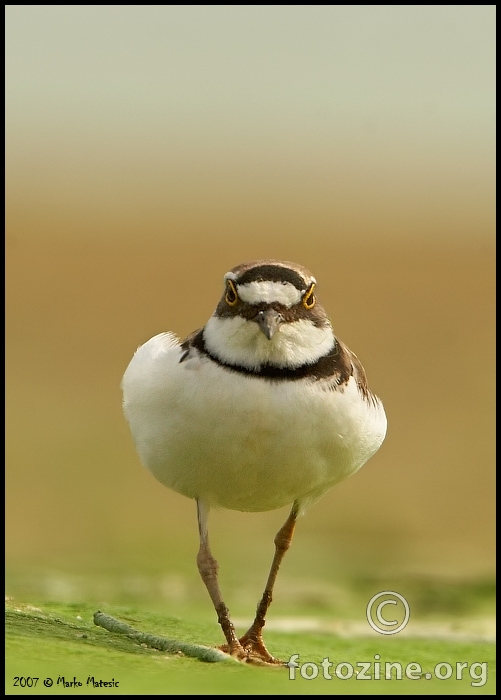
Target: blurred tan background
{"x": 151, "y": 148}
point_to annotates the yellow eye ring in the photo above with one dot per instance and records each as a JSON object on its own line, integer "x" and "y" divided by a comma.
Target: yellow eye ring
{"x": 309, "y": 299}
{"x": 231, "y": 297}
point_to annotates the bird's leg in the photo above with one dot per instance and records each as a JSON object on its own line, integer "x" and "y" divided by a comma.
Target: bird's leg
{"x": 208, "y": 567}
{"x": 252, "y": 641}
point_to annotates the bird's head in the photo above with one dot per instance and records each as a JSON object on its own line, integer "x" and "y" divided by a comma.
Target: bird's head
{"x": 269, "y": 315}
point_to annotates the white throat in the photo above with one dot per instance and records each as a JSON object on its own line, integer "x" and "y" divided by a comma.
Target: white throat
{"x": 238, "y": 341}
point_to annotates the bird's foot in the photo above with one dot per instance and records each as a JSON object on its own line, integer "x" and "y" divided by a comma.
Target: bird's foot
{"x": 254, "y": 646}
{"x": 251, "y": 650}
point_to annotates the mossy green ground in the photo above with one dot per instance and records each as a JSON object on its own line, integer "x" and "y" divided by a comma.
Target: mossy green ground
{"x": 60, "y": 641}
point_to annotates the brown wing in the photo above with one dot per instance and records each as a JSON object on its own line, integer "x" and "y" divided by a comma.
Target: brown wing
{"x": 357, "y": 371}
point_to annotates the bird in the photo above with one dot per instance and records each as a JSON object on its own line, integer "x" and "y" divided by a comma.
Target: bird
{"x": 263, "y": 407}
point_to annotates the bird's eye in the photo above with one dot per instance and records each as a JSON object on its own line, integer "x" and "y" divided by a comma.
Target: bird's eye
{"x": 231, "y": 293}
{"x": 309, "y": 299}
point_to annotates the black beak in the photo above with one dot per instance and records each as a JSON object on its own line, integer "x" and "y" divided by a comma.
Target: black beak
{"x": 269, "y": 321}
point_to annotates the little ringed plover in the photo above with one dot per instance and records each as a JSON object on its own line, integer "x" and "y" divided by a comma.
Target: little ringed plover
{"x": 261, "y": 408}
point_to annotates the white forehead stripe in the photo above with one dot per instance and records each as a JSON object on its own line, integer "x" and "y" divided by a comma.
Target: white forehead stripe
{"x": 265, "y": 292}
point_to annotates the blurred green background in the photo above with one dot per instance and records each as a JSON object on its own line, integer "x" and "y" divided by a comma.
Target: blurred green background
{"x": 151, "y": 148}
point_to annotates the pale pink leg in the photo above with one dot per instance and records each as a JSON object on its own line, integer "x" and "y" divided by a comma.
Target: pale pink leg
{"x": 252, "y": 641}
{"x": 208, "y": 568}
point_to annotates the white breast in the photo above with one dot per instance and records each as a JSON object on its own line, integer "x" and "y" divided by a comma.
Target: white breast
{"x": 238, "y": 441}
